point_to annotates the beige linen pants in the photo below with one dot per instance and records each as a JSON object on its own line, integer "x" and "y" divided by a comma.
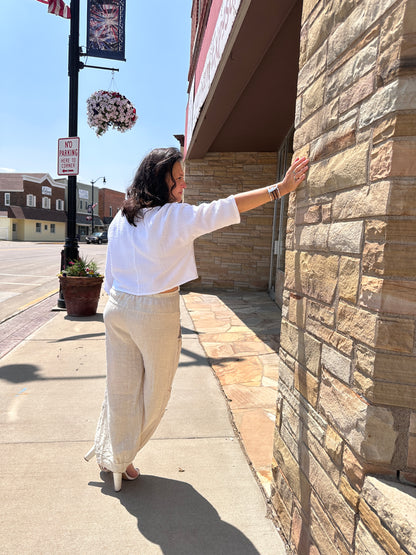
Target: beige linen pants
{"x": 143, "y": 343}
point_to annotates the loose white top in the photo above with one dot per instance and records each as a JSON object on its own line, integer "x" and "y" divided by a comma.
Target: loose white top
{"x": 158, "y": 254}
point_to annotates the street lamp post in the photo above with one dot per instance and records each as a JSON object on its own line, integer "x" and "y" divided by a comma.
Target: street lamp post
{"x": 70, "y": 250}
{"x": 92, "y": 201}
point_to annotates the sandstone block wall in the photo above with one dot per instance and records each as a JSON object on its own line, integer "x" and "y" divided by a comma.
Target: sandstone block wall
{"x": 347, "y": 383}
{"x": 236, "y": 257}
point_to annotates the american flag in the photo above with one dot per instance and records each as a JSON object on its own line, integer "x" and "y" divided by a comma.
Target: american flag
{"x": 58, "y": 7}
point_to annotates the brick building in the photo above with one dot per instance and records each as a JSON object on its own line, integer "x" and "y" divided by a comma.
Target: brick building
{"x": 32, "y": 207}
{"x": 335, "y": 81}
{"x": 109, "y": 202}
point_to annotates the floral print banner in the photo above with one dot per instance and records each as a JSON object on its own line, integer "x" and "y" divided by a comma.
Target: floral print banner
{"x": 106, "y": 29}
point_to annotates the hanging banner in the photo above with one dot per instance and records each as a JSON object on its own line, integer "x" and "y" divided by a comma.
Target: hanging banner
{"x": 106, "y": 29}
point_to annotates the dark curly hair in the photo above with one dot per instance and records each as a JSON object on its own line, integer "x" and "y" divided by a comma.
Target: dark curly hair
{"x": 149, "y": 187}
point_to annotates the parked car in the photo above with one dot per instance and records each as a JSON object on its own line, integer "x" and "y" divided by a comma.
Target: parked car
{"x": 97, "y": 237}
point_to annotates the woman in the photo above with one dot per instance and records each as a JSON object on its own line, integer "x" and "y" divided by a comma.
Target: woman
{"x": 150, "y": 254}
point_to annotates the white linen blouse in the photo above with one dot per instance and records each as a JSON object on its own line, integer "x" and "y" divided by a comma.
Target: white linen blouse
{"x": 158, "y": 253}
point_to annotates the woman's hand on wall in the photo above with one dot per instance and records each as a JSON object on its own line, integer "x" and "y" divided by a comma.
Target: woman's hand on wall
{"x": 294, "y": 176}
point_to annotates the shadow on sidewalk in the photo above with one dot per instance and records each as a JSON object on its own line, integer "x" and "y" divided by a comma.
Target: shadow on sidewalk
{"x": 21, "y": 373}
{"x": 173, "y": 515}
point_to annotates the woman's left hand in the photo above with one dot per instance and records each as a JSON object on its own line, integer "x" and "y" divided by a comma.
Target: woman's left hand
{"x": 295, "y": 175}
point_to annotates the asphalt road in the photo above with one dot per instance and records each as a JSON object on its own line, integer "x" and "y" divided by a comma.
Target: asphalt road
{"x": 28, "y": 272}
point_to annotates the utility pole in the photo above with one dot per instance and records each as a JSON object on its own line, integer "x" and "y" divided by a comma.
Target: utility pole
{"x": 70, "y": 250}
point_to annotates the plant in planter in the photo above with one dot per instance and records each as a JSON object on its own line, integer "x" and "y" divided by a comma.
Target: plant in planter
{"x": 81, "y": 285}
{"x": 107, "y": 108}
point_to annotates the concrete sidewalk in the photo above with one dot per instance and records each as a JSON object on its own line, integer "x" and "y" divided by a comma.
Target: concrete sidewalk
{"x": 196, "y": 495}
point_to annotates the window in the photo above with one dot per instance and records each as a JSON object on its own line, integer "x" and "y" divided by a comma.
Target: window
{"x": 31, "y": 200}
{"x": 46, "y": 202}
{"x": 111, "y": 211}
{"x": 80, "y": 204}
{"x": 59, "y": 204}
{"x": 38, "y": 227}
{"x": 52, "y": 228}
{"x": 14, "y": 227}
{"x": 7, "y": 199}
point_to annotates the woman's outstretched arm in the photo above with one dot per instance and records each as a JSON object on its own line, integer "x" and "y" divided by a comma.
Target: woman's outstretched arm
{"x": 293, "y": 178}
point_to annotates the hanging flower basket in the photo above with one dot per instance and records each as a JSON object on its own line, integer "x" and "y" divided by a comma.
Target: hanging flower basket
{"x": 106, "y": 109}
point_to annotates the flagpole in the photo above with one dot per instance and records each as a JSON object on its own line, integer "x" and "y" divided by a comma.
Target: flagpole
{"x": 70, "y": 250}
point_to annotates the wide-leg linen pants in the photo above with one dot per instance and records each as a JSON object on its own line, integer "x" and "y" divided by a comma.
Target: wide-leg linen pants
{"x": 143, "y": 343}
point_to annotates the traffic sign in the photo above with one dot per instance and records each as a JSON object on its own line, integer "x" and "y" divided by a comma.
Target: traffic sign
{"x": 68, "y": 156}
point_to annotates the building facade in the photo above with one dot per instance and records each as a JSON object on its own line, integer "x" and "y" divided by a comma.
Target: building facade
{"x": 109, "y": 203}
{"x": 87, "y": 206}
{"x": 32, "y": 208}
{"x": 334, "y": 81}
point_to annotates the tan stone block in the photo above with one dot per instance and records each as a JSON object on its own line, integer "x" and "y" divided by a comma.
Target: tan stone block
{"x": 320, "y": 313}
{"x": 341, "y": 342}
{"x": 368, "y": 429}
{"x": 341, "y": 171}
{"x": 309, "y": 72}
{"x": 403, "y": 199}
{"x": 331, "y": 499}
{"x": 379, "y": 105}
{"x": 326, "y": 213}
{"x": 313, "y": 97}
{"x": 307, "y": 7}
{"x": 412, "y": 426}
{"x": 389, "y": 64}
{"x": 394, "y": 158}
{"x": 289, "y": 467}
{"x": 334, "y": 445}
{"x": 301, "y": 346}
{"x": 363, "y": 385}
{"x": 323, "y": 530}
{"x": 390, "y": 260}
{"x": 395, "y": 334}
{"x": 300, "y": 536}
{"x": 282, "y": 515}
{"x": 308, "y": 214}
{"x": 394, "y": 296}
{"x": 297, "y": 310}
{"x": 349, "y": 275}
{"x": 377, "y": 529}
{"x": 345, "y": 237}
{"x": 307, "y": 385}
{"x": 362, "y": 202}
{"x": 314, "y": 275}
{"x": 336, "y": 363}
{"x": 361, "y": 62}
{"x": 357, "y": 323}
{"x": 322, "y": 120}
{"x": 355, "y": 25}
{"x": 411, "y": 452}
{"x": 363, "y": 88}
{"x": 365, "y": 544}
{"x": 351, "y": 496}
{"x": 356, "y": 469}
{"x": 335, "y": 140}
{"x": 395, "y": 506}
{"x": 392, "y": 27}
{"x": 312, "y": 237}
{"x": 398, "y": 395}
{"x": 310, "y": 444}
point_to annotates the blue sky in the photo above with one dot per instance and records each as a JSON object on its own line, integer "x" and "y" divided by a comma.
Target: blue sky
{"x": 34, "y": 88}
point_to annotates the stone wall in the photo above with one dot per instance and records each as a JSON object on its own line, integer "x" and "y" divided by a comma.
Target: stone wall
{"x": 236, "y": 257}
{"x": 347, "y": 383}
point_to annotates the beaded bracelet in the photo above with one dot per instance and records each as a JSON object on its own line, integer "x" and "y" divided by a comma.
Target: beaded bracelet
{"x": 274, "y": 192}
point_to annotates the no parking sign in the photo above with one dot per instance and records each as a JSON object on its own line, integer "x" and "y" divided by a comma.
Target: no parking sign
{"x": 68, "y": 156}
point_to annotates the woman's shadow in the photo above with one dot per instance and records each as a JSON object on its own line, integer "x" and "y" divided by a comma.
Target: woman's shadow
{"x": 181, "y": 521}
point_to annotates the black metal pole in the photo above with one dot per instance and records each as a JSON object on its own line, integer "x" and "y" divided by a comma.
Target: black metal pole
{"x": 92, "y": 207}
{"x": 71, "y": 251}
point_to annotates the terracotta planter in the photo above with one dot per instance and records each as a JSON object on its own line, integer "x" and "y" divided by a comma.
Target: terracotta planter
{"x": 81, "y": 294}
